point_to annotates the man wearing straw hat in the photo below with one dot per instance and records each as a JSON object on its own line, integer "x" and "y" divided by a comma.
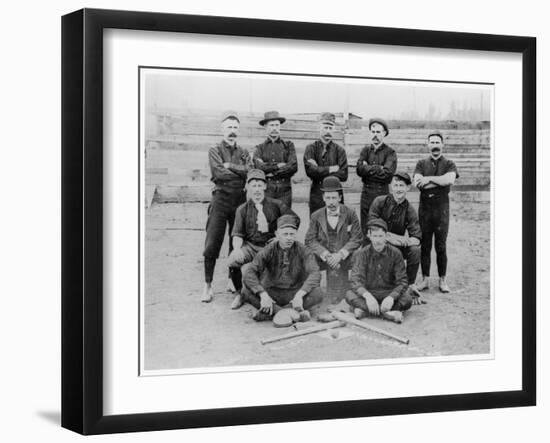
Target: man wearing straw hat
{"x": 229, "y": 165}
{"x": 324, "y": 158}
{"x": 276, "y": 158}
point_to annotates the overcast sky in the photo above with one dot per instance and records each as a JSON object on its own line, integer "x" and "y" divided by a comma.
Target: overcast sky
{"x": 293, "y": 94}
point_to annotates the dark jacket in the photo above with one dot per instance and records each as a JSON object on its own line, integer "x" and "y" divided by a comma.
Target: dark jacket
{"x": 269, "y": 269}
{"x": 234, "y": 177}
{"x": 348, "y": 231}
{"x": 271, "y": 153}
{"x": 377, "y": 166}
{"x": 334, "y": 155}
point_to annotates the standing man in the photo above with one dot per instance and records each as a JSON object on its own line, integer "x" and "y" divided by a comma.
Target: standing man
{"x": 401, "y": 218}
{"x": 434, "y": 176}
{"x": 229, "y": 164}
{"x": 277, "y": 158}
{"x": 323, "y": 158}
{"x": 376, "y": 165}
{"x": 333, "y": 236}
{"x": 283, "y": 272}
{"x": 378, "y": 279}
{"x": 255, "y": 225}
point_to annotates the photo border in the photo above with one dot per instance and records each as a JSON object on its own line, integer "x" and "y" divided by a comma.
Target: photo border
{"x": 82, "y": 220}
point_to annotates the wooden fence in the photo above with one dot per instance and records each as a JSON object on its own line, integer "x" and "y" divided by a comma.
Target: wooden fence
{"x": 177, "y": 150}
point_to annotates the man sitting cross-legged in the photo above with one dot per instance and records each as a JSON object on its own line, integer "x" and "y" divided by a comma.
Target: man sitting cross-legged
{"x": 334, "y": 234}
{"x": 255, "y": 224}
{"x": 283, "y": 272}
{"x": 378, "y": 279}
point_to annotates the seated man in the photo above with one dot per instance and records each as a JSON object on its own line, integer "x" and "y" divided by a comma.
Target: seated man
{"x": 283, "y": 272}
{"x": 255, "y": 224}
{"x": 334, "y": 234}
{"x": 378, "y": 279}
{"x": 401, "y": 217}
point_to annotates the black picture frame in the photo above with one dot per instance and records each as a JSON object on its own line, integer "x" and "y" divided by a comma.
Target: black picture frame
{"x": 82, "y": 218}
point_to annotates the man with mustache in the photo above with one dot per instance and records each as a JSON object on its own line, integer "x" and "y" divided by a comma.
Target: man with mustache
{"x": 324, "y": 158}
{"x": 334, "y": 234}
{"x": 229, "y": 164}
{"x": 277, "y": 158}
{"x": 376, "y": 165}
{"x": 284, "y": 272}
{"x": 434, "y": 176}
{"x": 254, "y": 228}
{"x": 378, "y": 279}
{"x": 401, "y": 218}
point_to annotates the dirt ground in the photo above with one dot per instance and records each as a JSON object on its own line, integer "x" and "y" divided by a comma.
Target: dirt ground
{"x": 181, "y": 332}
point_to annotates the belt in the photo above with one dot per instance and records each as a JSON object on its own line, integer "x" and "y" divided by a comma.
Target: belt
{"x": 375, "y": 185}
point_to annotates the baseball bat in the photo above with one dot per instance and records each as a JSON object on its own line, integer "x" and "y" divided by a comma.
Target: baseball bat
{"x": 312, "y": 330}
{"x": 353, "y": 321}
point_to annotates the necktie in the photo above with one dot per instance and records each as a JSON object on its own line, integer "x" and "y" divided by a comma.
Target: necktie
{"x": 261, "y": 221}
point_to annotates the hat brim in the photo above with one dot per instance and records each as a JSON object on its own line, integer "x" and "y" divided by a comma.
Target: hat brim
{"x": 332, "y": 189}
{"x": 381, "y": 124}
{"x": 248, "y": 180}
{"x": 404, "y": 179}
{"x": 264, "y": 121}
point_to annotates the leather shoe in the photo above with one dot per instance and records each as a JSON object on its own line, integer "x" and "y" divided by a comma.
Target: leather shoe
{"x": 395, "y": 316}
{"x": 423, "y": 285}
{"x": 359, "y": 313}
{"x": 237, "y": 301}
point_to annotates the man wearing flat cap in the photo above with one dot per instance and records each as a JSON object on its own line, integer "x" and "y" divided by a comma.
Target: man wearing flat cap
{"x": 376, "y": 165}
{"x": 229, "y": 165}
{"x": 403, "y": 227}
{"x": 334, "y": 234}
{"x": 324, "y": 158}
{"x": 277, "y": 158}
{"x": 378, "y": 279}
{"x": 434, "y": 176}
{"x": 283, "y": 273}
{"x": 254, "y": 228}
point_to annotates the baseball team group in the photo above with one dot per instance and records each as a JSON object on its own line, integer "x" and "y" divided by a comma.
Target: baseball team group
{"x": 371, "y": 261}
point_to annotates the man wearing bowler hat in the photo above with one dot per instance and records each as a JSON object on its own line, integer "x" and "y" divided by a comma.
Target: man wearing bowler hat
{"x": 284, "y": 272}
{"x": 334, "y": 234}
{"x": 229, "y": 165}
{"x": 401, "y": 219}
{"x": 378, "y": 279}
{"x": 434, "y": 176}
{"x": 324, "y": 158}
{"x": 277, "y": 158}
{"x": 376, "y": 165}
{"x": 254, "y": 227}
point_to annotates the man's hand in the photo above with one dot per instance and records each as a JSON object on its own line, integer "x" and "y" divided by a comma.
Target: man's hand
{"x": 298, "y": 301}
{"x": 226, "y": 165}
{"x": 334, "y": 260}
{"x": 259, "y": 160}
{"x": 266, "y": 303}
{"x": 372, "y": 304}
{"x": 237, "y": 256}
{"x": 334, "y": 168}
{"x": 387, "y": 304}
{"x": 313, "y": 162}
{"x": 280, "y": 165}
{"x": 395, "y": 240}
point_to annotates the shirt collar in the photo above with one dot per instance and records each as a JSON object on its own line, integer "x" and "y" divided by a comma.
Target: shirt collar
{"x": 228, "y": 146}
{"x": 277, "y": 140}
{"x": 335, "y": 213}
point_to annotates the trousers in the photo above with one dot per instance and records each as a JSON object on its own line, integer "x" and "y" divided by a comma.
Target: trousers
{"x": 433, "y": 215}
{"x": 283, "y": 297}
{"x": 402, "y": 303}
{"x": 221, "y": 216}
{"x": 368, "y": 194}
{"x": 411, "y": 254}
{"x": 280, "y": 191}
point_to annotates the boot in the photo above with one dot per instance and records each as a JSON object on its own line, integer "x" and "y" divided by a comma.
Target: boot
{"x": 237, "y": 301}
{"x": 207, "y": 293}
{"x": 423, "y": 285}
{"x": 443, "y": 286}
{"x": 359, "y": 313}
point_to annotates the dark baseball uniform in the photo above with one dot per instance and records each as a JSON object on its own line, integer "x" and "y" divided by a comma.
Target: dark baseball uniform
{"x": 325, "y": 156}
{"x": 376, "y": 167}
{"x": 228, "y": 194}
{"x": 266, "y": 157}
{"x": 433, "y": 213}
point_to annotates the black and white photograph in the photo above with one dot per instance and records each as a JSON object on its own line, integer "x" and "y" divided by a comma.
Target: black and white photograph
{"x": 292, "y": 220}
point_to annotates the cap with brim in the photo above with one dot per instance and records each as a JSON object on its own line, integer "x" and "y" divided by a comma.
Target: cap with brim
{"x": 327, "y": 118}
{"x": 331, "y": 184}
{"x": 272, "y": 115}
{"x": 380, "y": 121}
{"x": 377, "y": 223}
{"x": 403, "y": 176}
{"x": 288, "y": 221}
{"x": 255, "y": 174}
{"x": 230, "y": 114}
{"x": 436, "y": 133}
